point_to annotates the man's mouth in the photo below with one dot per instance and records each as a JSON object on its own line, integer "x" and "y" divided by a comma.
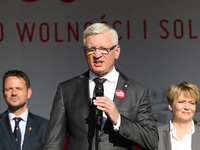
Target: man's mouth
{"x": 98, "y": 62}
{"x": 14, "y": 98}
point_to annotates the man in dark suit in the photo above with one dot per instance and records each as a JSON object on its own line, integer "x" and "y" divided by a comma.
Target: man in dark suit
{"x": 127, "y": 119}
{"x": 29, "y": 132}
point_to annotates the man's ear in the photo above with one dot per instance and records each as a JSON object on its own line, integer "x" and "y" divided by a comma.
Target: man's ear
{"x": 117, "y": 52}
{"x": 29, "y": 93}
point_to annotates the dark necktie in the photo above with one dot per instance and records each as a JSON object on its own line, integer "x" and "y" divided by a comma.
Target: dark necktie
{"x": 98, "y": 81}
{"x": 17, "y": 133}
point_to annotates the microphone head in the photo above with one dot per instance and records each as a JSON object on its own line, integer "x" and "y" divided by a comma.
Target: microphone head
{"x": 99, "y": 91}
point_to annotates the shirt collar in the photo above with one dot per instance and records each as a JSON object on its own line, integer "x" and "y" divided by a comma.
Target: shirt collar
{"x": 173, "y": 130}
{"x": 192, "y": 130}
{"x": 23, "y": 116}
{"x": 111, "y": 77}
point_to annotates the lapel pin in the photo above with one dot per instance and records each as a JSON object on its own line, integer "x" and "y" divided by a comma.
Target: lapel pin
{"x": 30, "y": 128}
{"x": 119, "y": 93}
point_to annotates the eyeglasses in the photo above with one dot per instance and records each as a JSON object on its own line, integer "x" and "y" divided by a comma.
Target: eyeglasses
{"x": 103, "y": 50}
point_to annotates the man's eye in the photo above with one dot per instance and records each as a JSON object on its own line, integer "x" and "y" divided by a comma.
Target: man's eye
{"x": 91, "y": 49}
{"x": 103, "y": 49}
{"x": 19, "y": 88}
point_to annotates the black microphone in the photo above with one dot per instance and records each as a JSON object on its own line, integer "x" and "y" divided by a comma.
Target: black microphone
{"x": 99, "y": 91}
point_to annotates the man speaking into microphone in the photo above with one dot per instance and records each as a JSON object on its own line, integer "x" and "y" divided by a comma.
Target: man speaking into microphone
{"x": 127, "y": 118}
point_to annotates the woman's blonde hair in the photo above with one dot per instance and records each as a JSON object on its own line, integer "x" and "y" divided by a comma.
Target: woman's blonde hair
{"x": 187, "y": 88}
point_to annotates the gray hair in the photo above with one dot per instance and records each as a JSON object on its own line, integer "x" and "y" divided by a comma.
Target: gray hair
{"x": 97, "y": 28}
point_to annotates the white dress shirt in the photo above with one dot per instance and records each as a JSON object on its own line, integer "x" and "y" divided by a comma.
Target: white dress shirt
{"x": 109, "y": 91}
{"x": 22, "y": 123}
{"x": 181, "y": 144}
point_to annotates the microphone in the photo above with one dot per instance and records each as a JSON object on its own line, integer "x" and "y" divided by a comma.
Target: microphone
{"x": 99, "y": 91}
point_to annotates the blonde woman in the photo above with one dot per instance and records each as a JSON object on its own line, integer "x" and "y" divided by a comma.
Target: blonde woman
{"x": 181, "y": 133}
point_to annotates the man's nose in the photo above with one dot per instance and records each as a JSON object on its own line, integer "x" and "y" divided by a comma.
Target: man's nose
{"x": 97, "y": 53}
{"x": 13, "y": 92}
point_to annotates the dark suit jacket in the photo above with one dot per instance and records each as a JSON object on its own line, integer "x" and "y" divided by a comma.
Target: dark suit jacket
{"x": 165, "y": 141}
{"x": 71, "y": 114}
{"x": 34, "y": 134}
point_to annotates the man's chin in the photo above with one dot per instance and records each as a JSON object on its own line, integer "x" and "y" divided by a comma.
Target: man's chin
{"x": 99, "y": 73}
{"x": 16, "y": 107}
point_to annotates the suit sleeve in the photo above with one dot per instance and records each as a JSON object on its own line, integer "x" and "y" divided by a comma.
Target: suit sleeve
{"x": 56, "y": 129}
{"x": 140, "y": 128}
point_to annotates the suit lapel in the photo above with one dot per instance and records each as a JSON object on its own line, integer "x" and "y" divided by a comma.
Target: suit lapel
{"x": 86, "y": 109}
{"x": 28, "y": 132}
{"x": 166, "y": 138}
{"x": 122, "y": 84}
{"x": 6, "y": 127}
{"x": 83, "y": 90}
{"x": 195, "y": 138}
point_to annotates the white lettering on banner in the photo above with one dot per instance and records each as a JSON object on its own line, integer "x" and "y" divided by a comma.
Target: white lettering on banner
{"x": 57, "y": 33}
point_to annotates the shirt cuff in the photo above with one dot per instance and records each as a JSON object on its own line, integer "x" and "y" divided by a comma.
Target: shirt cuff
{"x": 116, "y": 127}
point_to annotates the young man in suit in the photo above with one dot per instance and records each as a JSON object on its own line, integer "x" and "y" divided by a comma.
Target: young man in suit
{"x": 19, "y": 128}
{"x": 127, "y": 119}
